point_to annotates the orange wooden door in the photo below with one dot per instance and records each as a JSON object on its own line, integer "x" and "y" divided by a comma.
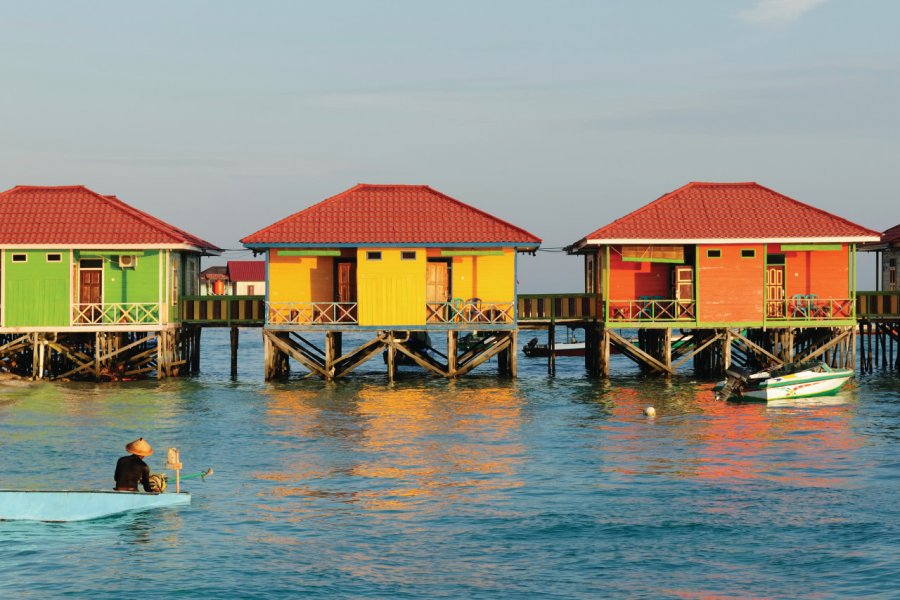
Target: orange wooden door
{"x": 775, "y": 291}
{"x": 346, "y": 282}
{"x": 91, "y": 288}
{"x": 437, "y": 290}
{"x": 90, "y": 291}
{"x": 345, "y": 292}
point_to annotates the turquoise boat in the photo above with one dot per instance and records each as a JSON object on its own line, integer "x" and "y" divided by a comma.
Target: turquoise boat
{"x": 80, "y": 505}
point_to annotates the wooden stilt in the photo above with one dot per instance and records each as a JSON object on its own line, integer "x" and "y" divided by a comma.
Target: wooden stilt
{"x": 235, "y": 340}
{"x": 452, "y": 342}
{"x": 513, "y": 354}
{"x": 604, "y": 353}
{"x": 551, "y": 349}
{"x": 391, "y": 358}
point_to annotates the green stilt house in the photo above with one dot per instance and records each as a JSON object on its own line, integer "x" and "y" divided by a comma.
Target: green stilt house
{"x": 92, "y": 287}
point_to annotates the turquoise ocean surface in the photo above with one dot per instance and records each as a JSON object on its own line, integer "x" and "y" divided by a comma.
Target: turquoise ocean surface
{"x": 540, "y": 487}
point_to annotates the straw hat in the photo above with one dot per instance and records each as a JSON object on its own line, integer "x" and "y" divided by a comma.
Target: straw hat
{"x": 139, "y": 447}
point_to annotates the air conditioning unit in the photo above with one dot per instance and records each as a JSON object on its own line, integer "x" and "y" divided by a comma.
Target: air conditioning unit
{"x": 127, "y": 261}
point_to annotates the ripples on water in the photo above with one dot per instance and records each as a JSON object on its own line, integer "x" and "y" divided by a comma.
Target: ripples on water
{"x": 481, "y": 487}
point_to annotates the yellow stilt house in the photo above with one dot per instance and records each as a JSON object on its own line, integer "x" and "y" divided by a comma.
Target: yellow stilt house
{"x": 398, "y": 260}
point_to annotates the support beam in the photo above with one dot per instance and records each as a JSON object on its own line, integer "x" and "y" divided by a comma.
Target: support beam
{"x": 636, "y": 353}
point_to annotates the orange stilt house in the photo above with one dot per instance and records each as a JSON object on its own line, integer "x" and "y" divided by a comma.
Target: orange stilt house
{"x": 400, "y": 261}
{"x": 742, "y": 272}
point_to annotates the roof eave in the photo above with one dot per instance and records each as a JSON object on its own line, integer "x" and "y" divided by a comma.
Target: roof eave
{"x": 681, "y": 241}
{"x": 520, "y": 246}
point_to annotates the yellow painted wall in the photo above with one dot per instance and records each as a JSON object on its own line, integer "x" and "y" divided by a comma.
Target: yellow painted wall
{"x": 300, "y": 278}
{"x": 391, "y": 291}
{"x": 495, "y": 277}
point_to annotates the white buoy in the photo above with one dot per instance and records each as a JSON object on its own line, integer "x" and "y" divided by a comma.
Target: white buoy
{"x": 650, "y": 411}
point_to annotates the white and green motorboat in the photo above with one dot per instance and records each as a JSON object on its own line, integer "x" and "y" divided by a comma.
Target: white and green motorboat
{"x": 793, "y": 380}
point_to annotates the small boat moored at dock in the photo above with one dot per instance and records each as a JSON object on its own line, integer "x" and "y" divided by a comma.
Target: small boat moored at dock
{"x": 793, "y": 380}
{"x": 80, "y": 505}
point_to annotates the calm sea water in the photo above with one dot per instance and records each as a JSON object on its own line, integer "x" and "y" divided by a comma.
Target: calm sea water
{"x": 482, "y": 488}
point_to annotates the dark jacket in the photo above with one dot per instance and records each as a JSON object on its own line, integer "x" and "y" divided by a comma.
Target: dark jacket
{"x": 131, "y": 470}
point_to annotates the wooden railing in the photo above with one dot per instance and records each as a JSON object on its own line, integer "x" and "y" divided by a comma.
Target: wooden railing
{"x": 530, "y": 309}
{"x": 876, "y": 305}
{"x": 652, "y": 310}
{"x": 472, "y": 311}
{"x": 311, "y": 313}
{"x": 116, "y": 313}
{"x": 810, "y": 308}
{"x": 553, "y": 308}
{"x": 224, "y": 311}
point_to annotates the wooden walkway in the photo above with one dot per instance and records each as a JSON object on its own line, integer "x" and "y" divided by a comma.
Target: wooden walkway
{"x": 533, "y": 311}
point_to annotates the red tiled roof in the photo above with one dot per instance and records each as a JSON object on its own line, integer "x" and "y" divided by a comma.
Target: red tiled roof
{"x": 247, "y": 270}
{"x": 392, "y": 214}
{"x": 729, "y": 211}
{"x": 74, "y": 215}
{"x": 892, "y": 236}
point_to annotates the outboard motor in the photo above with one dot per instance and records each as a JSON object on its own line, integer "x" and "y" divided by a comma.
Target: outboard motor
{"x": 735, "y": 380}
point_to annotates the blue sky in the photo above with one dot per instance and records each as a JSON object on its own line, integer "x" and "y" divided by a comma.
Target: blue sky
{"x": 223, "y": 117}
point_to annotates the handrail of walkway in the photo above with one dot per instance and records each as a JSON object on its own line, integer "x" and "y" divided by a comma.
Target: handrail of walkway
{"x": 558, "y": 308}
{"x": 224, "y": 311}
{"x": 877, "y": 304}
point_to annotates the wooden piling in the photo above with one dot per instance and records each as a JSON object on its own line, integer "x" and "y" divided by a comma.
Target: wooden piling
{"x": 235, "y": 340}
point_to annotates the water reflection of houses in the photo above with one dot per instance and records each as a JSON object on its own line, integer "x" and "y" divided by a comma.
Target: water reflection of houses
{"x": 398, "y": 262}
{"x": 727, "y": 442}
{"x": 401, "y": 444}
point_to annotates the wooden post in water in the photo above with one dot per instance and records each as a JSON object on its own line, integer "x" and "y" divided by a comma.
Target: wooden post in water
{"x": 513, "y": 352}
{"x": 667, "y": 349}
{"x": 391, "y": 358}
{"x": 452, "y": 342}
{"x": 235, "y": 340}
{"x": 551, "y": 349}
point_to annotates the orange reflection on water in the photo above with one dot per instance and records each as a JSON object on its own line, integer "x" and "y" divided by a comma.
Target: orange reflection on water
{"x": 729, "y": 441}
{"x": 399, "y": 445}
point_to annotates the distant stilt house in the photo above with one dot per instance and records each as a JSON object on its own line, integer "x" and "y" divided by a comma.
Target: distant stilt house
{"x": 724, "y": 273}
{"x": 879, "y": 311}
{"x": 887, "y": 259}
{"x": 214, "y": 281}
{"x": 401, "y": 262}
{"x": 237, "y": 278}
{"x": 248, "y": 277}
{"x": 91, "y": 287}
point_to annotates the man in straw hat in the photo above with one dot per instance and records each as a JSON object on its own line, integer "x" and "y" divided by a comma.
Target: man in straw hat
{"x": 132, "y": 469}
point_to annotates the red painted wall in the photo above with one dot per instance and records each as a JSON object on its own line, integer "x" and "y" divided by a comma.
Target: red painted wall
{"x": 825, "y": 273}
{"x": 631, "y": 280}
{"x": 731, "y": 287}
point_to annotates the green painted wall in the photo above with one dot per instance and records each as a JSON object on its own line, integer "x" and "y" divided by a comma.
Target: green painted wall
{"x": 138, "y": 284}
{"x": 37, "y": 291}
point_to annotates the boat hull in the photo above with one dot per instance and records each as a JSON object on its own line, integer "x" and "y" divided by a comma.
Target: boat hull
{"x": 780, "y": 385}
{"x": 541, "y": 350}
{"x": 79, "y": 505}
{"x": 799, "y": 388}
